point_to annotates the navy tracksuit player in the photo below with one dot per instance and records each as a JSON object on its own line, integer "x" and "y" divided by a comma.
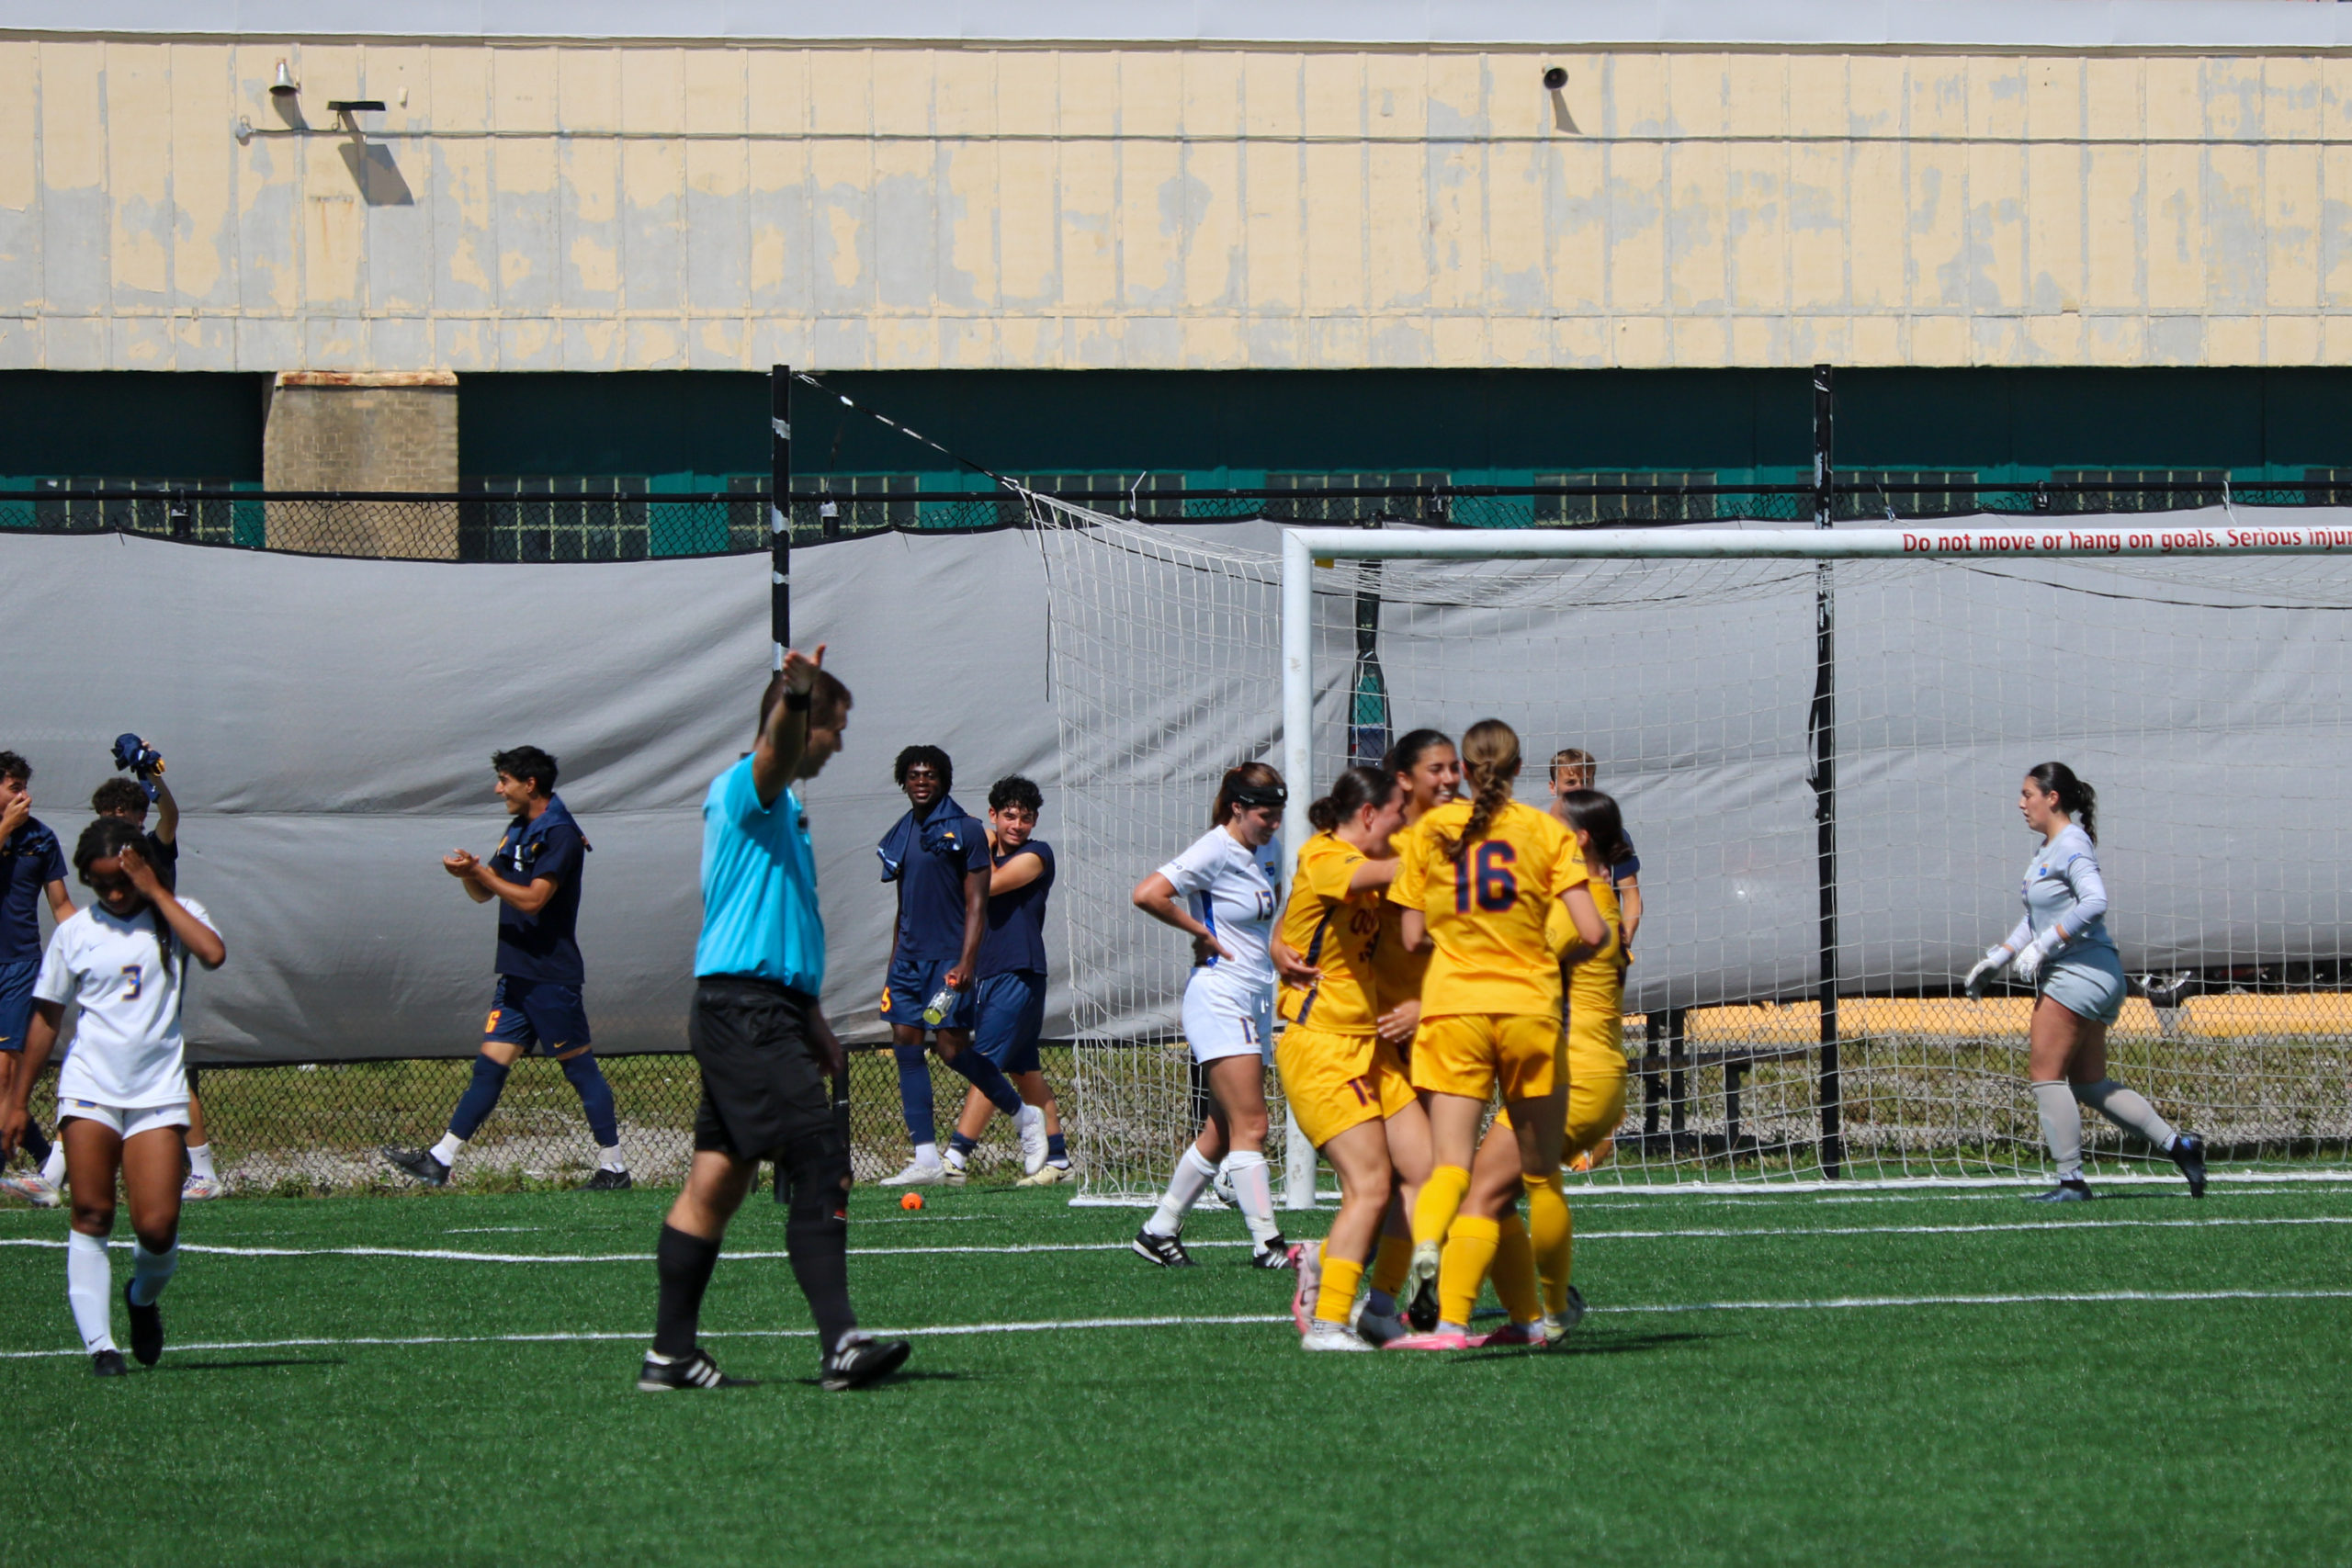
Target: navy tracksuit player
{"x": 32, "y": 869}
{"x": 535, "y": 875}
{"x": 938, "y": 854}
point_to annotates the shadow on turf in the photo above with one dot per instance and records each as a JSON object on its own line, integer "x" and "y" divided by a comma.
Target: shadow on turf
{"x": 253, "y": 1366}
{"x": 1586, "y": 1345}
{"x": 893, "y": 1381}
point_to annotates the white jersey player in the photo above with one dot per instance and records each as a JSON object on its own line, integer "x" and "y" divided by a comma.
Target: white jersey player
{"x": 122, "y": 1094}
{"x": 1223, "y": 891}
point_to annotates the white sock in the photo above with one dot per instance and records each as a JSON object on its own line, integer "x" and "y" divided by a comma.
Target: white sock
{"x": 1253, "y": 1187}
{"x": 199, "y": 1162}
{"x": 1192, "y": 1175}
{"x": 955, "y": 1157}
{"x": 53, "y": 1170}
{"x": 2061, "y": 1128}
{"x": 151, "y": 1271}
{"x": 89, "y": 1287}
{"x": 927, "y": 1154}
{"x": 611, "y": 1160}
{"x": 2127, "y": 1109}
{"x": 446, "y": 1151}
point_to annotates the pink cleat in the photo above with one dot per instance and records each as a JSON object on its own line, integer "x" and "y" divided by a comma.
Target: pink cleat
{"x": 1438, "y": 1339}
{"x": 1511, "y": 1334}
{"x": 1310, "y": 1285}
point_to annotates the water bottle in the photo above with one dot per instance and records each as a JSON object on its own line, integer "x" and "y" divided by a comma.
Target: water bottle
{"x": 942, "y": 1003}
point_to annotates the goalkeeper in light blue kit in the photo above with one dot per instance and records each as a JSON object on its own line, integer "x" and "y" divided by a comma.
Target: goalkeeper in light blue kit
{"x": 2063, "y": 951}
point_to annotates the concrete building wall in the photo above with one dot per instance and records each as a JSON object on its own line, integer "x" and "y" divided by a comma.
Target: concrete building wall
{"x": 604, "y": 206}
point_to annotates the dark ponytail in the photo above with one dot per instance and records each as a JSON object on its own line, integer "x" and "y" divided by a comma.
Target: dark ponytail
{"x": 1251, "y": 783}
{"x": 1589, "y": 811}
{"x": 2076, "y": 799}
{"x": 1405, "y": 755}
{"x": 1351, "y": 793}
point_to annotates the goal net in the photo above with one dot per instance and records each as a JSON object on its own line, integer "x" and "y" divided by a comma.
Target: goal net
{"x": 1818, "y": 760}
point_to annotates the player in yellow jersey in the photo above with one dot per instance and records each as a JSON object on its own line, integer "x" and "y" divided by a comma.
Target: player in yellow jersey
{"x": 1428, "y": 771}
{"x": 1342, "y": 1082}
{"x": 1476, "y": 881}
{"x": 1593, "y": 1105}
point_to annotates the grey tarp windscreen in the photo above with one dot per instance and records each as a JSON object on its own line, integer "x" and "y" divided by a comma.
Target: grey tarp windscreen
{"x": 328, "y": 725}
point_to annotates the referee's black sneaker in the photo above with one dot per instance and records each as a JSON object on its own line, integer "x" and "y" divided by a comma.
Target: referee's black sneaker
{"x": 146, "y": 1327}
{"x": 696, "y": 1371}
{"x": 608, "y": 1181}
{"x": 108, "y": 1364}
{"x": 858, "y": 1360}
{"x": 420, "y": 1164}
{"x": 1164, "y": 1251}
{"x": 2188, "y": 1153}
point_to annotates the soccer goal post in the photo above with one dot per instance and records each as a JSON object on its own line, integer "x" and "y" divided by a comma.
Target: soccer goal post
{"x": 1816, "y": 736}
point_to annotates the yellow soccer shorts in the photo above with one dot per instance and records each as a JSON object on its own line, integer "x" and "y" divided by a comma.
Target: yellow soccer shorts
{"x": 1596, "y": 1064}
{"x": 1474, "y": 1054}
{"x": 1333, "y": 1082}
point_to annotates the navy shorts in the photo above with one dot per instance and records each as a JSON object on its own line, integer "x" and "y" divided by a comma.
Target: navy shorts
{"x": 16, "y": 1001}
{"x": 1013, "y": 1014}
{"x": 913, "y": 982}
{"x": 545, "y": 1018}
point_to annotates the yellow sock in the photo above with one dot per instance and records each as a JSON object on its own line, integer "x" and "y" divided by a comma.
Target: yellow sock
{"x": 1388, "y": 1265}
{"x": 1441, "y": 1199}
{"x": 1514, "y": 1271}
{"x": 1469, "y": 1252}
{"x": 1551, "y": 1236}
{"x": 1337, "y": 1294}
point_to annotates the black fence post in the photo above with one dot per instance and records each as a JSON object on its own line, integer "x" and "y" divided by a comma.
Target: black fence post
{"x": 1823, "y": 728}
{"x": 780, "y": 509}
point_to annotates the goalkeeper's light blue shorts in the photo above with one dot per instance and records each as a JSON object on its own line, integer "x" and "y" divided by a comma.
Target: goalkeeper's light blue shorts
{"x": 2088, "y": 984}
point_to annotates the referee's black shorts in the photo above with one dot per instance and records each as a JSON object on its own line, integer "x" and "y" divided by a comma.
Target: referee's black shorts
{"x": 762, "y": 1074}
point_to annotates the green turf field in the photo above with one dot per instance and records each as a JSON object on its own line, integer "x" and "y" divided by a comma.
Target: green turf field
{"x": 1851, "y": 1378}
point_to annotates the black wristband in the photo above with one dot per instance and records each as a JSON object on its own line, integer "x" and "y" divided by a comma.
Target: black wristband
{"x": 796, "y": 701}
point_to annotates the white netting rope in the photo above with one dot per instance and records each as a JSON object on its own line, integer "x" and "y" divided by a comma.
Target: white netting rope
{"x": 2205, "y": 697}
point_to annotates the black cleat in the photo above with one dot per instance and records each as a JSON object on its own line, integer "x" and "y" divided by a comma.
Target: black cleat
{"x": 856, "y": 1362}
{"x": 108, "y": 1364}
{"x": 420, "y": 1164}
{"x": 1275, "y": 1253}
{"x": 146, "y": 1328}
{"x": 607, "y": 1181}
{"x": 1421, "y": 1310}
{"x": 2072, "y": 1189}
{"x": 2188, "y": 1153}
{"x": 1164, "y": 1251}
{"x": 697, "y": 1370}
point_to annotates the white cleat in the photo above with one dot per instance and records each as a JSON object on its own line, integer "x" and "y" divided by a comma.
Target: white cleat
{"x": 198, "y": 1189}
{"x": 1030, "y": 1123}
{"x": 1322, "y": 1335}
{"x": 1046, "y": 1176}
{"x": 37, "y": 1189}
{"x": 957, "y": 1172}
{"x": 919, "y": 1173}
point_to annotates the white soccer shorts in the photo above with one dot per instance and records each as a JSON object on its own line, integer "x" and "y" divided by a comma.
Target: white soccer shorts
{"x": 1218, "y": 1025}
{"x": 127, "y": 1121}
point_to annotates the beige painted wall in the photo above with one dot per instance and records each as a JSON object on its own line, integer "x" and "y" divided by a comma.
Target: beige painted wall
{"x": 596, "y": 206}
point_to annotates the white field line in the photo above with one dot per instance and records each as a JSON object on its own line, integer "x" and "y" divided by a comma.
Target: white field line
{"x": 1766, "y": 1191}
{"x": 1711, "y": 1233}
{"x": 1834, "y": 1303}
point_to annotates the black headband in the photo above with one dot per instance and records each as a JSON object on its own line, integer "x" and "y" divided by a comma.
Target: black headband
{"x": 1263, "y": 796}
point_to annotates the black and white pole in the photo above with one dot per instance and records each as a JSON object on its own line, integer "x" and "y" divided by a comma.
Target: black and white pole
{"x": 780, "y": 510}
{"x": 1822, "y": 734}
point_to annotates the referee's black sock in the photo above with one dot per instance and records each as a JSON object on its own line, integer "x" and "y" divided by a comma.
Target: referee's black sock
{"x": 817, "y": 1233}
{"x": 685, "y": 1263}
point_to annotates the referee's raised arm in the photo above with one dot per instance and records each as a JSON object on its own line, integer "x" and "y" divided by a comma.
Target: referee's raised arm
{"x": 784, "y": 729}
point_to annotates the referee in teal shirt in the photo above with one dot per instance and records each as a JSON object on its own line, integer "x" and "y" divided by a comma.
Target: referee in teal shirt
{"x": 764, "y": 1048}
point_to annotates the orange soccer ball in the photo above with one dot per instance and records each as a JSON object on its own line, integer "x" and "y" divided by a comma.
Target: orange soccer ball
{"x": 910, "y": 1200}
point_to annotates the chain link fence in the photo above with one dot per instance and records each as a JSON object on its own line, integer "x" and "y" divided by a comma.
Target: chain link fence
{"x": 580, "y": 524}
{"x": 312, "y": 1128}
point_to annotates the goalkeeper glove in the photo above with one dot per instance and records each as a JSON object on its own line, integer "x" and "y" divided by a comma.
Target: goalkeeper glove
{"x": 1986, "y": 967}
{"x": 2029, "y": 962}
